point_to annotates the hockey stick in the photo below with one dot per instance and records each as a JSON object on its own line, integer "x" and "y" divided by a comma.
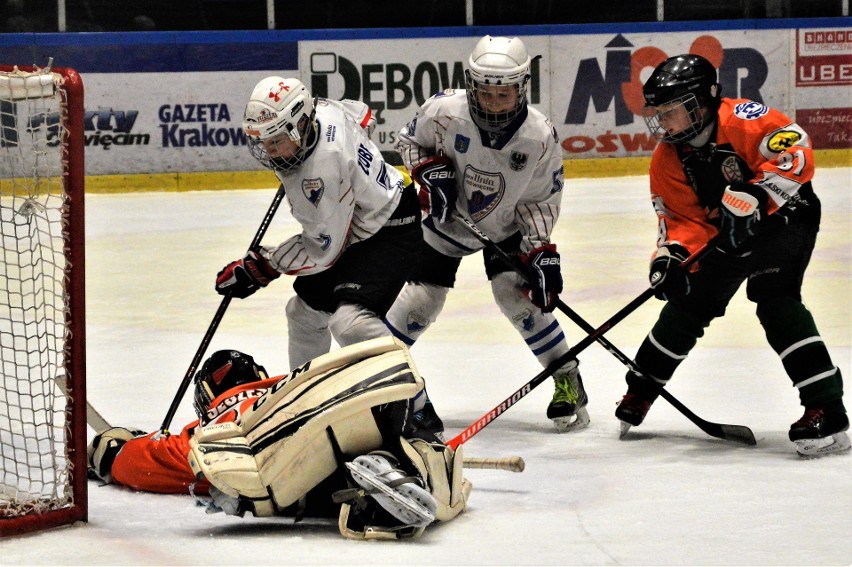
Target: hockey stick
{"x": 736, "y": 433}
{"x": 93, "y": 417}
{"x": 513, "y": 464}
{"x": 217, "y": 318}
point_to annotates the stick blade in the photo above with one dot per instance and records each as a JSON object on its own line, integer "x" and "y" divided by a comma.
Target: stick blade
{"x": 738, "y": 434}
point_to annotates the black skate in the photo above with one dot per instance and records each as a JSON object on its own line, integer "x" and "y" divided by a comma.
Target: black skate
{"x": 821, "y": 431}
{"x": 428, "y": 419}
{"x": 632, "y": 410}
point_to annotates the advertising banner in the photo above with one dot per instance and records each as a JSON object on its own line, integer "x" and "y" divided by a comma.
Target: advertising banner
{"x": 168, "y": 122}
{"x": 394, "y": 77}
{"x": 823, "y": 81}
{"x": 597, "y": 84}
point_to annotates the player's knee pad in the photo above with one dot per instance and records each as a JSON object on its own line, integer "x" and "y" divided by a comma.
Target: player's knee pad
{"x": 439, "y": 468}
{"x": 353, "y": 323}
{"x": 293, "y": 437}
{"x": 307, "y": 330}
{"x": 513, "y": 302}
{"x": 417, "y": 307}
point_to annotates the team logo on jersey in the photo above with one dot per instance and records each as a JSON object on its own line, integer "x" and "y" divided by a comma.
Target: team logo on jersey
{"x": 485, "y": 191}
{"x": 731, "y": 169}
{"x": 525, "y": 320}
{"x": 462, "y": 143}
{"x": 519, "y": 161}
{"x": 313, "y": 190}
{"x": 325, "y": 241}
{"x": 415, "y": 322}
{"x": 750, "y": 110}
{"x": 783, "y": 140}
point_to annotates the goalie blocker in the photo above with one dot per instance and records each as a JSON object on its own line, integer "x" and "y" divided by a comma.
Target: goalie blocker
{"x": 321, "y": 425}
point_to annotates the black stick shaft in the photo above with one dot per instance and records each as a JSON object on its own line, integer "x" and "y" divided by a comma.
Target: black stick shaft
{"x": 217, "y": 318}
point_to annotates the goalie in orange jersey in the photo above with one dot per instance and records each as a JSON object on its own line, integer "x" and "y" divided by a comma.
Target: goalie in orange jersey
{"x": 740, "y": 170}
{"x": 333, "y": 438}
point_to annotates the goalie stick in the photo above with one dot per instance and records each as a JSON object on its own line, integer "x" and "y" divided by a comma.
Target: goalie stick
{"x": 737, "y": 433}
{"x": 217, "y": 318}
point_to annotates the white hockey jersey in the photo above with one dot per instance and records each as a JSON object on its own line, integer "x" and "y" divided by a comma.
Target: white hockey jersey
{"x": 343, "y": 193}
{"x": 509, "y": 184}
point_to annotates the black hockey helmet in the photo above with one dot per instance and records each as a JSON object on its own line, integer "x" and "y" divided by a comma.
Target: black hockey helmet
{"x": 687, "y": 79}
{"x": 225, "y": 369}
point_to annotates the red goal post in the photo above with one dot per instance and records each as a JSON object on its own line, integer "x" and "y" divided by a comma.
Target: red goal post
{"x": 42, "y": 300}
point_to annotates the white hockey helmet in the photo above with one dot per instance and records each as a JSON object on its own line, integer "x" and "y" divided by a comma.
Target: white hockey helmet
{"x": 280, "y": 109}
{"x": 497, "y": 61}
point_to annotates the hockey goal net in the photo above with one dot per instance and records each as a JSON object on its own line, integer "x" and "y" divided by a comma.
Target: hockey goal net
{"x": 42, "y": 300}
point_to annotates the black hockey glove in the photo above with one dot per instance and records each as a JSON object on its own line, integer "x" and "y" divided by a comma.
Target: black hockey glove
{"x": 668, "y": 278}
{"x": 105, "y": 448}
{"x": 245, "y": 276}
{"x": 743, "y": 207}
{"x": 544, "y": 276}
{"x": 438, "y": 176}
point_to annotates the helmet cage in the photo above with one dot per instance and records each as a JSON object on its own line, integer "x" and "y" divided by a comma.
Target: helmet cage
{"x": 302, "y": 134}
{"x": 696, "y": 118}
{"x": 486, "y": 119}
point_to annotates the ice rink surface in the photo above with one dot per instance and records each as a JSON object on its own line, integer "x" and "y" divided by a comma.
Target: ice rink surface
{"x": 667, "y": 494}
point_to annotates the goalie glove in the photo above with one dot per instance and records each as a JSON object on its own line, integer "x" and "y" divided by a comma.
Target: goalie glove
{"x": 743, "y": 206}
{"x": 437, "y": 175}
{"x": 544, "y": 276}
{"x": 245, "y": 276}
{"x": 668, "y": 278}
{"x": 104, "y": 448}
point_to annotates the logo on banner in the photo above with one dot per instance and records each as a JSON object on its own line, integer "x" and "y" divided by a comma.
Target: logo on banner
{"x": 611, "y": 83}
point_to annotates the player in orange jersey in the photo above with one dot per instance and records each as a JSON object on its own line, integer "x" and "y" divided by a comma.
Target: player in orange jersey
{"x": 331, "y": 439}
{"x": 740, "y": 170}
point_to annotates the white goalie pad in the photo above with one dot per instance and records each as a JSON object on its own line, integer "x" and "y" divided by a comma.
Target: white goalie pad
{"x": 286, "y": 437}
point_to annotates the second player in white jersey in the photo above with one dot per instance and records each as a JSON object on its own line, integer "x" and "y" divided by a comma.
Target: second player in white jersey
{"x": 484, "y": 154}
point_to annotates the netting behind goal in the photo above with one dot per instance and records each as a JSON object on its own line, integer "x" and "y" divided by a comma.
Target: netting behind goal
{"x": 42, "y": 300}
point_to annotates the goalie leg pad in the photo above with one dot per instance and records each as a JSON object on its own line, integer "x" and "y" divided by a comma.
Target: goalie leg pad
{"x": 441, "y": 469}
{"x": 401, "y": 495}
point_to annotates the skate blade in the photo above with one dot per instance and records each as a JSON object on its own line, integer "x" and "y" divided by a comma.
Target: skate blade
{"x": 569, "y": 423}
{"x": 405, "y": 502}
{"x": 831, "y": 445}
{"x": 624, "y": 427}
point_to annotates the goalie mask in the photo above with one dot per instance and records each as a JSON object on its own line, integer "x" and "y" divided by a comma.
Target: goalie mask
{"x": 224, "y": 370}
{"x": 279, "y": 122}
{"x": 496, "y": 81}
{"x": 681, "y": 98}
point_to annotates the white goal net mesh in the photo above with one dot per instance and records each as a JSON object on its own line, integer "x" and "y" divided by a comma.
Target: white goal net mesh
{"x": 34, "y": 336}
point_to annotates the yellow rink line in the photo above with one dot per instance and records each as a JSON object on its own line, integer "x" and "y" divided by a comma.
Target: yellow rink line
{"x": 205, "y": 181}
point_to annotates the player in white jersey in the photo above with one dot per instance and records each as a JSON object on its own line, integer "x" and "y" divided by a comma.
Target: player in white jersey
{"x": 360, "y": 218}
{"x": 485, "y": 154}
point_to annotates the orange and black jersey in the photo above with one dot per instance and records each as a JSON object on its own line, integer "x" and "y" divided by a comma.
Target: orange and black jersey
{"x": 751, "y": 143}
{"x": 156, "y": 463}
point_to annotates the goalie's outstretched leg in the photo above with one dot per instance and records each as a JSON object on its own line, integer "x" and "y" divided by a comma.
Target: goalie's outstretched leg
{"x": 401, "y": 495}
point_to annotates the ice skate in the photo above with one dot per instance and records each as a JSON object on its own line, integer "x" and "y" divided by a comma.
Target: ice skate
{"x": 567, "y": 409}
{"x": 400, "y": 495}
{"x": 820, "y": 432}
{"x": 631, "y": 410}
